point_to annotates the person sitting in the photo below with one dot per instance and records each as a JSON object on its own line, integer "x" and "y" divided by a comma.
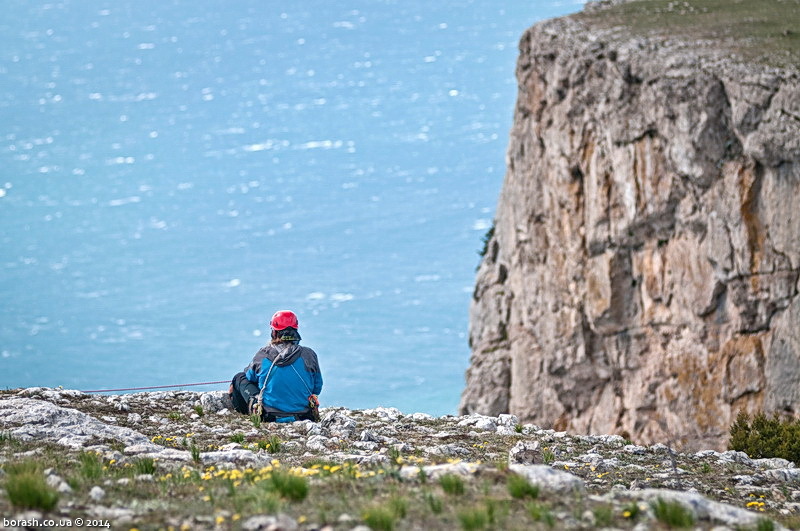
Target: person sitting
{"x": 283, "y": 380}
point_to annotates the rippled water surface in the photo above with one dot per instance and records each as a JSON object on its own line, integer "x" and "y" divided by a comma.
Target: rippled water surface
{"x": 173, "y": 172}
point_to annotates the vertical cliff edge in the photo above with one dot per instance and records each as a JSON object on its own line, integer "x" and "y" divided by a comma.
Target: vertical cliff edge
{"x": 642, "y": 274}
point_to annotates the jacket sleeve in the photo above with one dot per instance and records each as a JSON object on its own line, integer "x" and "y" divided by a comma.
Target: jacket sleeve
{"x": 312, "y": 367}
{"x": 317, "y": 383}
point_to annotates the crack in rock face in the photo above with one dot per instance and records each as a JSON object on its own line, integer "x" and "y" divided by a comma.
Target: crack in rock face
{"x": 642, "y": 274}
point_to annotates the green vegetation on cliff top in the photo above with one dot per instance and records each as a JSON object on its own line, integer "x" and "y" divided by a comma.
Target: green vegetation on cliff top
{"x": 762, "y": 31}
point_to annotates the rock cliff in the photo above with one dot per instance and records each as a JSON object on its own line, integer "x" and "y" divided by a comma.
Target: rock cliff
{"x": 642, "y": 274}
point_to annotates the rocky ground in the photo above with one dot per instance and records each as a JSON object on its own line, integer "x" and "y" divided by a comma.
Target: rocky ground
{"x": 184, "y": 460}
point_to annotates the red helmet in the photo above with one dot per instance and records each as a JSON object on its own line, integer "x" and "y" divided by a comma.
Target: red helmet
{"x": 283, "y": 319}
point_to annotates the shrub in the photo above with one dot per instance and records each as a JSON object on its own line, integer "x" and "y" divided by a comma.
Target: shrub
{"x": 485, "y": 240}
{"x": 27, "y": 487}
{"x": 452, "y": 484}
{"x": 519, "y": 487}
{"x": 672, "y": 514}
{"x": 766, "y": 437}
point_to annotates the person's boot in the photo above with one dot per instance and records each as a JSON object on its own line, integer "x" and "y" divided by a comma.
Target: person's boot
{"x": 255, "y": 406}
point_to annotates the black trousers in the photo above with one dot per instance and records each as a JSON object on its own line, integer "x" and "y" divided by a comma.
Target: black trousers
{"x": 243, "y": 391}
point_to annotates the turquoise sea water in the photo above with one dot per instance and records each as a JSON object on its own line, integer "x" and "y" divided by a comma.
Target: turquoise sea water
{"x": 172, "y": 172}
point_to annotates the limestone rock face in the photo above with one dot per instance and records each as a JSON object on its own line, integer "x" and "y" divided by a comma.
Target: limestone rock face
{"x": 642, "y": 275}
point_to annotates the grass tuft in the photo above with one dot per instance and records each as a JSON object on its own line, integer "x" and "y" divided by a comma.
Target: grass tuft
{"x": 473, "y": 518}
{"x": 399, "y": 505}
{"x": 91, "y": 465}
{"x": 672, "y": 514}
{"x": 273, "y": 444}
{"x": 379, "y": 518}
{"x": 433, "y": 502}
{"x": 289, "y": 486}
{"x": 27, "y": 487}
{"x": 603, "y": 515}
{"x": 540, "y": 513}
{"x": 195, "y": 451}
{"x": 519, "y": 487}
{"x": 452, "y": 484}
{"x": 548, "y": 456}
{"x": 144, "y": 465}
{"x": 765, "y": 525}
{"x": 631, "y": 511}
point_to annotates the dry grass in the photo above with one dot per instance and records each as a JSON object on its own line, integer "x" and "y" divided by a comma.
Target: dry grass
{"x": 763, "y": 31}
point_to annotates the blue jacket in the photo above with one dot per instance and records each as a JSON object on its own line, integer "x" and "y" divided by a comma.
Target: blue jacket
{"x": 295, "y": 375}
